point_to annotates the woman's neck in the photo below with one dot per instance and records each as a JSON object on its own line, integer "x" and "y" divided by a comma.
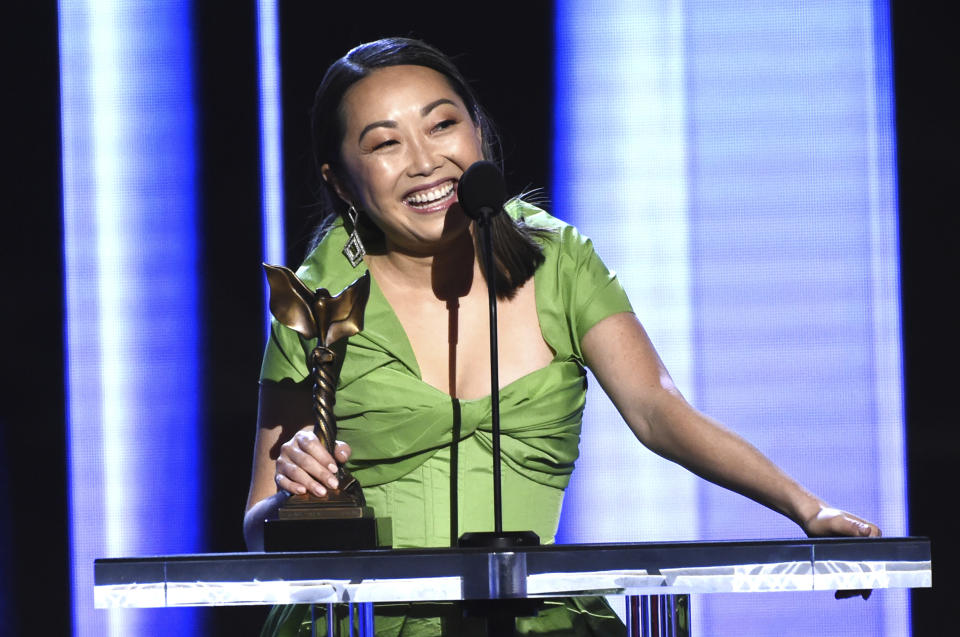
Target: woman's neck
{"x": 448, "y": 274}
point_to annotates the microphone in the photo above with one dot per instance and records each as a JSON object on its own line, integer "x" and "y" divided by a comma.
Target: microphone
{"x": 482, "y": 191}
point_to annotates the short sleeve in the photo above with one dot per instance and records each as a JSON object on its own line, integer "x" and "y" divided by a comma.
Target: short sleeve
{"x": 595, "y": 291}
{"x": 575, "y": 289}
{"x": 592, "y": 289}
{"x": 285, "y": 357}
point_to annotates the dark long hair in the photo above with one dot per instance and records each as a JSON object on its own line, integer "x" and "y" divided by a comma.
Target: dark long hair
{"x": 516, "y": 253}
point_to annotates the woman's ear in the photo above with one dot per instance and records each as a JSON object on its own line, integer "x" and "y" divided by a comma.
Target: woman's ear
{"x": 338, "y": 187}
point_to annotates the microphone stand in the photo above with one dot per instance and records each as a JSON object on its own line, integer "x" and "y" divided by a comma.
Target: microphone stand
{"x": 504, "y": 568}
{"x": 487, "y": 241}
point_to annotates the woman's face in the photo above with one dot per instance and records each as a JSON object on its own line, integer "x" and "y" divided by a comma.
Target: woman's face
{"x": 408, "y": 138}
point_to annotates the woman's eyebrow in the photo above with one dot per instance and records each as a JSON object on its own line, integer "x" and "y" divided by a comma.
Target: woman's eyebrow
{"x": 435, "y": 103}
{"x": 389, "y": 123}
{"x": 386, "y": 123}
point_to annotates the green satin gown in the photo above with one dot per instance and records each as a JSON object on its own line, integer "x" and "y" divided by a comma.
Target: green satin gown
{"x": 424, "y": 458}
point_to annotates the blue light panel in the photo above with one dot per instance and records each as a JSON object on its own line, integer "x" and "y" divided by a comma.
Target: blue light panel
{"x": 132, "y": 308}
{"x": 271, "y": 138}
{"x": 735, "y": 164}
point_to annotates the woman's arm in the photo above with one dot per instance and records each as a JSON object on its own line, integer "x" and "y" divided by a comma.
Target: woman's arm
{"x": 287, "y": 457}
{"x": 625, "y": 363}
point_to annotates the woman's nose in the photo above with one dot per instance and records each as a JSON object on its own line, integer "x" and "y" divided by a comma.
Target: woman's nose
{"x": 424, "y": 158}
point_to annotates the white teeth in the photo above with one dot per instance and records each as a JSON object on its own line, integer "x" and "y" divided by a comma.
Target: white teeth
{"x": 429, "y": 196}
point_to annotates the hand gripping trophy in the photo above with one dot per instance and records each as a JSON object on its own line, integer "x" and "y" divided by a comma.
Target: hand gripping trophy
{"x": 328, "y": 319}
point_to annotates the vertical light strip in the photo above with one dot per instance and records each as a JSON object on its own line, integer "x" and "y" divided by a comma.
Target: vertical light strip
{"x": 271, "y": 136}
{"x": 130, "y": 254}
{"x": 735, "y": 164}
{"x": 620, "y": 176}
{"x": 885, "y": 266}
{"x": 792, "y": 256}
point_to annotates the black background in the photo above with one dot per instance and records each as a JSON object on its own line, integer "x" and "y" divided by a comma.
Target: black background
{"x": 506, "y": 50}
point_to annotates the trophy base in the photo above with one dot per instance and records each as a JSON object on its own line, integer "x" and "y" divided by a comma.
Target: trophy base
{"x": 336, "y": 504}
{"x": 325, "y": 513}
{"x": 337, "y": 521}
{"x": 321, "y": 533}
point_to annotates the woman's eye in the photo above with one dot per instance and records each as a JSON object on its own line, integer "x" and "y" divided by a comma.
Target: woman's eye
{"x": 447, "y": 123}
{"x": 385, "y": 144}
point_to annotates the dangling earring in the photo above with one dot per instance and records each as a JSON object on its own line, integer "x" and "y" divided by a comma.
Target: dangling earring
{"x": 354, "y": 250}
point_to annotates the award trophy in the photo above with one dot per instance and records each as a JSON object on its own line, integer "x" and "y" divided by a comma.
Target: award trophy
{"x": 340, "y": 520}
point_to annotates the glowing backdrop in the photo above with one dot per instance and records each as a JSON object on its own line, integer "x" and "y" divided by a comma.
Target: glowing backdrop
{"x": 271, "y": 139}
{"x": 735, "y": 163}
{"x": 130, "y": 254}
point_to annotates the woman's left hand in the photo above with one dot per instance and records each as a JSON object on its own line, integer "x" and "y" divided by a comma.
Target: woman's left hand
{"x": 830, "y": 522}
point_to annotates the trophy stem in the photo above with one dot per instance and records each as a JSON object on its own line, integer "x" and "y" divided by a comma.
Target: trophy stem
{"x": 322, "y": 359}
{"x": 348, "y": 494}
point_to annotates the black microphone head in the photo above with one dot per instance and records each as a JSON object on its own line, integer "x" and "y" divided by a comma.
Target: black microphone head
{"x": 482, "y": 191}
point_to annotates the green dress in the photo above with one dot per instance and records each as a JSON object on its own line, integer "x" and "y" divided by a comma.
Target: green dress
{"x": 402, "y": 431}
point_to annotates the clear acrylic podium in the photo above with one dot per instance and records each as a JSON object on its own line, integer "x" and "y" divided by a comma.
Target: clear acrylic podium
{"x": 657, "y": 578}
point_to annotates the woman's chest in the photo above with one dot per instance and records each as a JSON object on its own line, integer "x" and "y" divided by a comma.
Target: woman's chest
{"x": 451, "y": 339}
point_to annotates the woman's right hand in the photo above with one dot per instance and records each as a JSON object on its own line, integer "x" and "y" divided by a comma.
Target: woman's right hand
{"x": 304, "y": 464}
{"x": 287, "y": 458}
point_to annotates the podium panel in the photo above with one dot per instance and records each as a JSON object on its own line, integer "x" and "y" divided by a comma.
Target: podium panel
{"x": 383, "y": 575}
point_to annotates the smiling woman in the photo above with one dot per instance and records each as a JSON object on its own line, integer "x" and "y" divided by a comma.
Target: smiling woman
{"x": 395, "y": 128}
{"x": 442, "y": 99}
{"x": 407, "y": 139}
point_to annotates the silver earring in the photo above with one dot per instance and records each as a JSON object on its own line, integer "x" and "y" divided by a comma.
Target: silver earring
{"x": 354, "y": 250}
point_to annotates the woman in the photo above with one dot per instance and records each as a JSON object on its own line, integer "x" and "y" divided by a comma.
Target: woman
{"x": 395, "y": 126}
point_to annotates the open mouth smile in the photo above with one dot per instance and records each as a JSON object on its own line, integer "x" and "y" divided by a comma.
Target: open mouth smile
{"x": 428, "y": 199}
